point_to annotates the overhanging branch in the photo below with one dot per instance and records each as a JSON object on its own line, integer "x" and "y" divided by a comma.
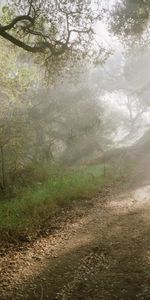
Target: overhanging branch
{"x": 16, "y": 20}
{"x": 56, "y": 47}
{"x": 19, "y": 43}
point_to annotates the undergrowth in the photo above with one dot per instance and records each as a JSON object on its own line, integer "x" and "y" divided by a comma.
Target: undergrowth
{"x": 25, "y": 213}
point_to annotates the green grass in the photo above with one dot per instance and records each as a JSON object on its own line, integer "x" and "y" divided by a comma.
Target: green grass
{"x": 26, "y": 213}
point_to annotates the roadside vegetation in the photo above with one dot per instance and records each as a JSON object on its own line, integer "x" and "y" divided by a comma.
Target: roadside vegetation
{"x": 32, "y": 207}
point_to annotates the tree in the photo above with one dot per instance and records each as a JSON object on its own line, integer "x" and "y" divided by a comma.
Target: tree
{"x": 54, "y": 28}
{"x": 16, "y": 79}
{"x": 130, "y": 17}
{"x": 65, "y": 122}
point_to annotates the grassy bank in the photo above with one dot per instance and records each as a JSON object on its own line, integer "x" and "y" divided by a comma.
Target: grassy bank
{"x": 26, "y": 213}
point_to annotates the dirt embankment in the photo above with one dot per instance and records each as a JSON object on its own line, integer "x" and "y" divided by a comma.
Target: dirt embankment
{"x": 104, "y": 254}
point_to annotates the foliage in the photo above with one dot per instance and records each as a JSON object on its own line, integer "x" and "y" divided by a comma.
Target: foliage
{"x": 56, "y": 28}
{"x": 39, "y": 123}
{"x": 47, "y": 127}
{"x": 14, "y": 128}
{"x": 130, "y": 17}
{"x": 28, "y": 212}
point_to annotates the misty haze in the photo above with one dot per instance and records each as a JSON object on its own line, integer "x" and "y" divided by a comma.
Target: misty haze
{"x": 74, "y": 149}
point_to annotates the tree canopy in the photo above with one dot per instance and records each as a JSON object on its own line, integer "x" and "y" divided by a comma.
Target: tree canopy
{"x": 54, "y": 27}
{"x": 130, "y": 17}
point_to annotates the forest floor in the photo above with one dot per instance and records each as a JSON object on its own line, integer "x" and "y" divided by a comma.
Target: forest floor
{"x": 101, "y": 251}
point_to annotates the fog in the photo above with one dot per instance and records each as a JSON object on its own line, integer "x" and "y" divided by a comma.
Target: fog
{"x": 74, "y": 149}
{"x": 73, "y": 110}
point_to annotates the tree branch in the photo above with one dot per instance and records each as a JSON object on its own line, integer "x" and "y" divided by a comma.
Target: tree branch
{"x": 41, "y": 47}
{"x": 56, "y": 47}
{"x": 16, "y": 20}
{"x": 19, "y": 43}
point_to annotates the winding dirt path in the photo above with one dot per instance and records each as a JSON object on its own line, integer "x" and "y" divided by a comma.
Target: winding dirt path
{"x": 105, "y": 254}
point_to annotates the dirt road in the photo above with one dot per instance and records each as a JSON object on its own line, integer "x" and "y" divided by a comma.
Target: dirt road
{"x": 104, "y": 254}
